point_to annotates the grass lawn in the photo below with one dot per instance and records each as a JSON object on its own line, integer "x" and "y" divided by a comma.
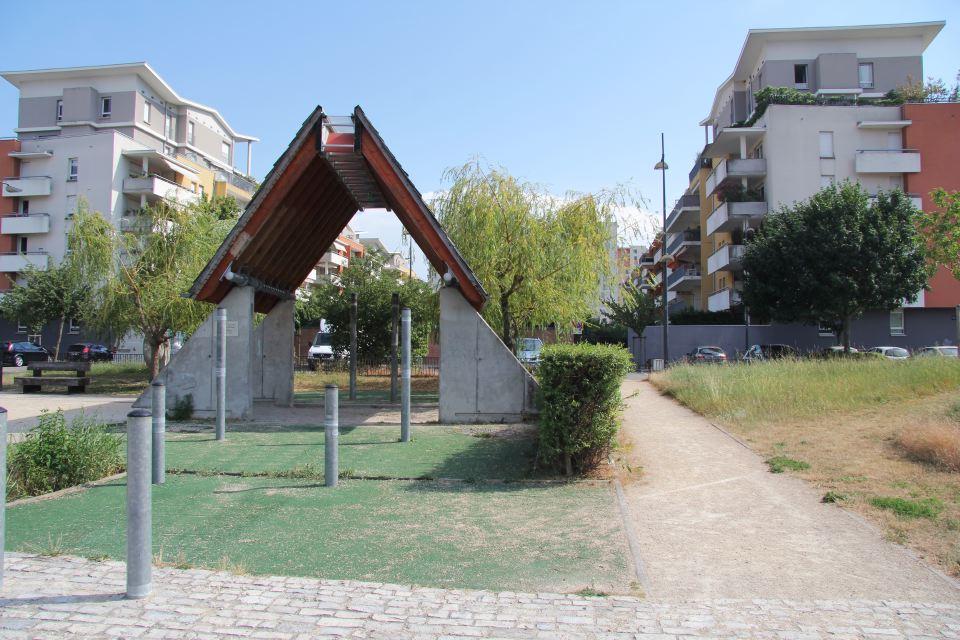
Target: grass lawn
{"x": 839, "y": 424}
{"x": 434, "y": 451}
{"x": 488, "y": 536}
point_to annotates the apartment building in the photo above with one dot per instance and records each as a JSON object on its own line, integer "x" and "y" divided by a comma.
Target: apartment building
{"x": 755, "y": 161}
{"x": 337, "y": 258}
{"x": 117, "y": 136}
{"x": 395, "y": 259}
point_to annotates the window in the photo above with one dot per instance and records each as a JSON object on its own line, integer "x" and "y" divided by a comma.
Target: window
{"x": 800, "y": 76}
{"x": 826, "y": 144}
{"x": 896, "y": 322}
{"x": 202, "y": 192}
{"x": 23, "y": 244}
{"x": 72, "y": 169}
{"x": 865, "y": 74}
{"x": 71, "y": 206}
{"x": 826, "y": 181}
{"x": 191, "y": 133}
{"x": 225, "y": 150}
{"x": 825, "y": 329}
{"x": 25, "y": 207}
{"x": 21, "y": 328}
{"x": 170, "y": 126}
{"x": 106, "y": 107}
{"x": 74, "y": 328}
{"x": 59, "y": 110}
{"x": 146, "y": 112}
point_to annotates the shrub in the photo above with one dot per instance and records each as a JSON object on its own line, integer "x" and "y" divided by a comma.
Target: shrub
{"x": 53, "y": 456}
{"x": 182, "y": 408}
{"x": 935, "y": 443}
{"x": 579, "y": 400}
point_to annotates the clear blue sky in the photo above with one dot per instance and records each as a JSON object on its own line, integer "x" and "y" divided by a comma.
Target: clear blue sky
{"x": 572, "y": 95}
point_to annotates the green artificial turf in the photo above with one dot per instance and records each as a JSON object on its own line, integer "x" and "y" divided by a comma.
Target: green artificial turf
{"x": 367, "y": 451}
{"x": 516, "y": 536}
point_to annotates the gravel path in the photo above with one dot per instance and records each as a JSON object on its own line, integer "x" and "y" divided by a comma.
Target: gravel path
{"x": 70, "y": 597}
{"x": 713, "y": 522}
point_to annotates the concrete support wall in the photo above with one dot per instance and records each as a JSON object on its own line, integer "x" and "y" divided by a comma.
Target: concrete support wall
{"x": 480, "y": 379}
{"x": 191, "y": 369}
{"x": 273, "y": 355}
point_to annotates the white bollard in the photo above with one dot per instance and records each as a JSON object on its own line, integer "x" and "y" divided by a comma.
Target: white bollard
{"x": 139, "y": 507}
{"x": 331, "y": 434}
{"x": 405, "y": 377}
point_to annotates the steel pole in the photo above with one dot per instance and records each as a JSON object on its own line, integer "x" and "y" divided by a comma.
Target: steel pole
{"x": 159, "y": 410}
{"x": 139, "y": 525}
{"x": 221, "y": 373}
{"x": 3, "y": 487}
{"x": 663, "y": 281}
{"x": 405, "y": 382}
{"x": 353, "y": 346}
{"x": 394, "y": 339}
{"x": 331, "y": 435}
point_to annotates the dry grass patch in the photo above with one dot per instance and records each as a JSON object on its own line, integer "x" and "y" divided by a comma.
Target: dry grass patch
{"x": 881, "y": 440}
{"x": 317, "y": 380}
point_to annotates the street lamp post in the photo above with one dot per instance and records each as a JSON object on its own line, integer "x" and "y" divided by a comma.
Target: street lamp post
{"x": 662, "y": 168}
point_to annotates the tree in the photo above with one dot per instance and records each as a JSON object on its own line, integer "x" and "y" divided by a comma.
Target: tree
{"x": 540, "y": 258}
{"x": 834, "y": 256}
{"x": 149, "y": 269}
{"x": 941, "y": 230}
{"x": 374, "y": 285}
{"x": 61, "y": 292}
{"x": 638, "y": 309}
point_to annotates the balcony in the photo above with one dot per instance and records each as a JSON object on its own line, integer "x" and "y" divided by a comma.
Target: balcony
{"x": 335, "y": 258}
{"x": 723, "y": 300}
{"x": 726, "y": 258}
{"x": 685, "y": 278}
{"x": 685, "y": 214}
{"x": 731, "y": 215}
{"x": 17, "y": 262}
{"x": 735, "y": 169}
{"x": 677, "y": 243}
{"x": 157, "y": 188}
{"x": 888, "y": 161}
{"x": 27, "y": 187}
{"x": 24, "y": 225}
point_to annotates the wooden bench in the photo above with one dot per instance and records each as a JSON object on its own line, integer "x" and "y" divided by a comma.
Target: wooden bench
{"x": 38, "y": 382}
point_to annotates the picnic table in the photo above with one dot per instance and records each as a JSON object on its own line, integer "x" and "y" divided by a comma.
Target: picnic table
{"x": 38, "y": 382}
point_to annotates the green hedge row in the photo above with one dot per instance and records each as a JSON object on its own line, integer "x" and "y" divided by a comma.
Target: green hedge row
{"x": 579, "y": 401}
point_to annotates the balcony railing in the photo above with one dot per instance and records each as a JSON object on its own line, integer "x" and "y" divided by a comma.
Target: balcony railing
{"x": 17, "y": 262}
{"x": 726, "y": 257}
{"x": 888, "y": 161}
{"x": 731, "y": 215}
{"x": 678, "y": 276}
{"x": 688, "y": 238}
{"x": 158, "y": 187}
{"x": 685, "y": 212}
{"x": 24, "y": 225}
{"x": 700, "y": 163}
{"x": 723, "y": 299}
{"x": 26, "y": 187}
{"x": 735, "y": 168}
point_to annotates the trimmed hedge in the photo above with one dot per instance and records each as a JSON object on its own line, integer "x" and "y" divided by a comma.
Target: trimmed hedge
{"x": 579, "y": 401}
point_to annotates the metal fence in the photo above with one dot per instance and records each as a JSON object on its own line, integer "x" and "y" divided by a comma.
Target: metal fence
{"x": 426, "y": 367}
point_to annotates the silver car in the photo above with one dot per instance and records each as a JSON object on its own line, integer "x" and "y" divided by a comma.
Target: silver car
{"x": 528, "y": 350}
{"x": 891, "y": 353}
{"x": 947, "y": 352}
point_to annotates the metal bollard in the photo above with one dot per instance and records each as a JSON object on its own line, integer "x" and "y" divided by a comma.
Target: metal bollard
{"x": 3, "y": 487}
{"x": 405, "y": 377}
{"x": 221, "y": 373}
{"x": 139, "y": 507}
{"x": 331, "y": 433}
{"x": 159, "y": 409}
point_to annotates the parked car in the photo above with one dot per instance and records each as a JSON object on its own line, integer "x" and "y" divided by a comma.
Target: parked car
{"x": 21, "y": 353}
{"x": 948, "y": 352}
{"x": 760, "y": 352}
{"x": 89, "y": 352}
{"x": 321, "y": 349}
{"x": 528, "y": 350}
{"x": 891, "y": 353}
{"x": 704, "y": 355}
{"x": 835, "y": 351}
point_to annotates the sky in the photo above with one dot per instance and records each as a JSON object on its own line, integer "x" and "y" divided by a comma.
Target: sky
{"x": 572, "y": 96}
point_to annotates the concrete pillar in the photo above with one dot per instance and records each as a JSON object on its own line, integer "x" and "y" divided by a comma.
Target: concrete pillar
{"x": 220, "y": 373}
{"x": 249, "y": 155}
{"x": 139, "y": 505}
{"x": 273, "y": 359}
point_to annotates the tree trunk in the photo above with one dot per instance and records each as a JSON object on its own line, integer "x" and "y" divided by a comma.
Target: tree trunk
{"x": 567, "y": 465}
{"x": 507, "y": 321}
{"x": 845, "y": 334}
{"x": 154, "y": 356}
{"x": 56, "y": 352}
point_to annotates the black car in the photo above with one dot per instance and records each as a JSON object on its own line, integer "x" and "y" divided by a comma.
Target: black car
{"x": 769, "y": 352}
{"x": 21, "y": 353}
{"x": 703, "y": 355}
{"x": 89, "y": 352}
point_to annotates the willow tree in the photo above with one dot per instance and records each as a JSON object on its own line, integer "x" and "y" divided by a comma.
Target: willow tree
{"x": 152, "y": 263}
{"x": 541, "y": 258}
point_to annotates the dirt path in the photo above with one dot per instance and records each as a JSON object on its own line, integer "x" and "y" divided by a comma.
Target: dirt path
{"x": 712, "y": 522}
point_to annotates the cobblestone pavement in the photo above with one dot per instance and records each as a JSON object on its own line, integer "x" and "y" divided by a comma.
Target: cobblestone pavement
{"x": 72, "y": 597}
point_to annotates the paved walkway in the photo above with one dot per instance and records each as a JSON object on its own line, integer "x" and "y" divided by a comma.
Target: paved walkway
{"x": 23, "y": 409}
{"x": 69, "y": 597}
{"x": 713, "y": 522}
